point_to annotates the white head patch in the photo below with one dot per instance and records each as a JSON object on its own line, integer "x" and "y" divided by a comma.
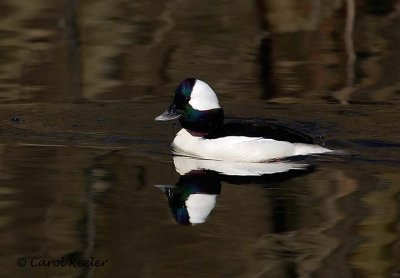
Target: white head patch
{"x": 199, "y": 206}
{"x": 203, "y": 97}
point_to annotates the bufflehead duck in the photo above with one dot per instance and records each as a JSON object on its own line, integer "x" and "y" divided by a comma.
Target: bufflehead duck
{"x": 194, "y": 196}
{"x": 205, "y": 135}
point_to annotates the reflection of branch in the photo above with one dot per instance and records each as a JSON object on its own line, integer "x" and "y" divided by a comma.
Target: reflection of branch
{"x": 90, "y": 233}
{"x": 168, "y": 23}
{"x": 97, "y": 184}
{"x": 74, "y": 48}
{"x": 265, "y": 56}
{"x": 348, "y": 40}
{"x": 343, "y": 95}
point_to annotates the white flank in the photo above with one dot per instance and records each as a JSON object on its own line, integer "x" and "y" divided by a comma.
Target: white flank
{"x": 203, "y": 97}
{"x": 184, "y": 165}
{"x": 199, "y": 207}
{"x": 240, "y": 148}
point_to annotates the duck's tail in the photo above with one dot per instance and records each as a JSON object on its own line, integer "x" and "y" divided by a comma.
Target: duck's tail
{"x": 305, "y": 149}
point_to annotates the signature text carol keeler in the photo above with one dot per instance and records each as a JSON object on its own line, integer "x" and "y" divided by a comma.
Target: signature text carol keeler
{"x": 62, "y": 262}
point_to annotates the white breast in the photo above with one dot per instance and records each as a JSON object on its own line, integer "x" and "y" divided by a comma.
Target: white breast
{"x": 239, "y": 148}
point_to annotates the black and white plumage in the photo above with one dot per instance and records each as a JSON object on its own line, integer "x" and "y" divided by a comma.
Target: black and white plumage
{"x": 195, "y": 195}
{"x": 206, "y": 135}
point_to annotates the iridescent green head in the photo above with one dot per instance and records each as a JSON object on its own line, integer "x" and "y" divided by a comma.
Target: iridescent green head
{"x": 196, "y": 106}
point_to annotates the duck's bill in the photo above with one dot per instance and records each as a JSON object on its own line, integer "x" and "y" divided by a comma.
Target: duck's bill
{"x": 168, "y": 115}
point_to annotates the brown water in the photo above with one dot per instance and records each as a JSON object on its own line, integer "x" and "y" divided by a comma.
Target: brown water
{"x": 82, "y": 160}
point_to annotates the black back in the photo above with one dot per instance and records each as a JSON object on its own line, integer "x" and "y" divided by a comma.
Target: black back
{"x": 260, "y": 129}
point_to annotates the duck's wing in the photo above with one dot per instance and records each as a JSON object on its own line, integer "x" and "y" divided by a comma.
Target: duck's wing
{"x": 258, "y": 129}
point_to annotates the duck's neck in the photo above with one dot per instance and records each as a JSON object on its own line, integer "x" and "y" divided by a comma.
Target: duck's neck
{"x": 201, "y": 123}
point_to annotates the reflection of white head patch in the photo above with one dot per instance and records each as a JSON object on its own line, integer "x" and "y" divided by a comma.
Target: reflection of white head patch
{"x": 199, "y": 207}
{"x": 203, "y": 97}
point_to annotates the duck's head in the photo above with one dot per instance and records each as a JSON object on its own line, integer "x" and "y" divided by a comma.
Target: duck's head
{"x": 196, "y": 106}
{"x": 193, "y": 197}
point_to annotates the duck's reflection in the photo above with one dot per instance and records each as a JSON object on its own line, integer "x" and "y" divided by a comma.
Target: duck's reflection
{"x": 194, "y": 196}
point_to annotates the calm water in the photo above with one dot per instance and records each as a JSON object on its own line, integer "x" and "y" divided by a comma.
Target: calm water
{"x": 86, "y": 172}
